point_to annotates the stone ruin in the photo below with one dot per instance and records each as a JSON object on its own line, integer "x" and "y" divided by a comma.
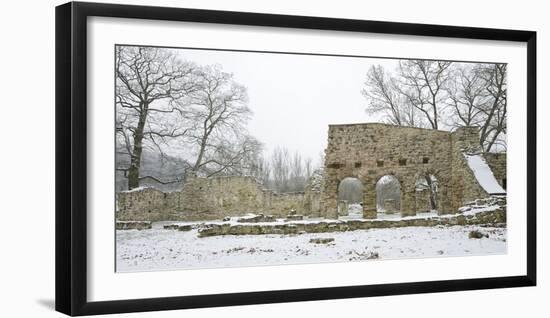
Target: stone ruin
{"x": 363, "y": 151}
{"x": 370, "y": 151}
{"x": 215, "y": 198}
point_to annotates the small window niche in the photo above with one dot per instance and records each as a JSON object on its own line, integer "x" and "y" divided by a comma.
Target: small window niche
{"x": 425, "y": 160}
{"x": 358, "y": 164}
{"x": 402, "y": 162}
{"x": 379, "y": 163}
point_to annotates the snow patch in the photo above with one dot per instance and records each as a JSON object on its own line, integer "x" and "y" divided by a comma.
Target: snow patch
{"x": 160, "y": 249}
{"x": 136, "y": 189}
{"x": 483, "y": 174}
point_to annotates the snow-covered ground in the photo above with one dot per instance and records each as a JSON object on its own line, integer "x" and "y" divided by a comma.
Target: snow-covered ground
{"x": 160, "y": 249}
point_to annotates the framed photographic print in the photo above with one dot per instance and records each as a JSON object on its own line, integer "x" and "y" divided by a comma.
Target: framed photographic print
{"x": 209, "y": 158}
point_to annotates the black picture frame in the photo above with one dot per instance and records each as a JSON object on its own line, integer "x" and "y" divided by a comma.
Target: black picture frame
{"x": 71, "y": 157}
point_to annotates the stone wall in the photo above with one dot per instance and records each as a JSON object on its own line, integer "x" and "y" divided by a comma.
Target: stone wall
{"x": 464, "y": 185}
{"x": 212, "y": 198}
{"x": 312, "y": 195}
{"x": 495, "y": 218}
{"x": 497, "y": 162}
{"x": 370, "y": 151}
{"x": 208, "y": 198}
{"x": 145, "y": 204}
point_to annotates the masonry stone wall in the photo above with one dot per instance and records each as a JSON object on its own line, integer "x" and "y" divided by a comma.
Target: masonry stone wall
{"x": 464, "y": 183}
{"x": 144, "y": 204}
{"x": 497, "y": 163}
{"x": 371, "y": 151}
{"x": 212, "y": 198}
{"x": 217, "y": 197}
{"x": 313, "y": 195}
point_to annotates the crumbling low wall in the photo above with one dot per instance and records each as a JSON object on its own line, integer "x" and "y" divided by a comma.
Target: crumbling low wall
{"x": 212, "y": 198}
{"x": 146, "y": 204}
{"x": 133, "y": 225}
{"x": 494, "y": 218}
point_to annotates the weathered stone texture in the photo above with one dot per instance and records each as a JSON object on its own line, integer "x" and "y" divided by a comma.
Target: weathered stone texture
{"x": 133, "y": 225}
{"x": 312, "y": 195}
{"x": 464, "y": 185}
{"x": 495, "y": 218}
{"x": 370, "y": 151}
{"x": 145, "y": 204}
{"x": 212, "y": 198}
{"x": 497, "y": 162}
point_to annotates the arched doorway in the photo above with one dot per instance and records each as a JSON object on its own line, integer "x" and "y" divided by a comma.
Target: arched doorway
{"x": 350, "y": 198}
{"x": 427, "y": 193}
{"x": 388, "y": 195}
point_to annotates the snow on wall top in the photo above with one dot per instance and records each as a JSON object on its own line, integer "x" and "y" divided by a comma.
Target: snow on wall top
{"x": 483, "y": 174}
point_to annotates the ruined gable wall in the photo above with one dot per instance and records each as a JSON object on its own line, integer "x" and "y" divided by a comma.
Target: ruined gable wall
{"x": 370, "y": 151}
{"x": 465, "y": 187}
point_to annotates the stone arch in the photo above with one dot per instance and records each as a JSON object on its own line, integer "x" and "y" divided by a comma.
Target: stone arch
{"x": 350, "y": 191}
{"x": 370, "y": 181}
{"x": 388, "y": 194}
{"x": 441, "y": 204}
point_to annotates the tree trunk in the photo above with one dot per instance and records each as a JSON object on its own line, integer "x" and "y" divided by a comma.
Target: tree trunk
{"x": 435, "y": 113}
{"x": 135, "y": 160}
{"x": 433, "y": 194}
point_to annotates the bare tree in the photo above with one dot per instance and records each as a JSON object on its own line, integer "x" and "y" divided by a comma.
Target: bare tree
{"x": 280, "y": 162}
{"x": 297, "y": 178}
{"x": 217, "y": 110}
{"x": 495, "y": 111}
{"x": 236, "y": 157}
{"x": 385, "y": 98}
{"x": 478, "y": 98}
{"x": 442, "y": 95}
{"x": 351, "y": 190}
{"x": 147, "y": 80}
{"x": 288, "y": 172}
{"x": 422, "y": 84}
{"x": 467, "y": 96}
{"x": 428, "y": 182}
{"x": 261, "y": 169}
{"x": 308, "y": 167}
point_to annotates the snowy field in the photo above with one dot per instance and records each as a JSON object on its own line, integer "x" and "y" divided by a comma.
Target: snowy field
{"x": 160, "y": 249}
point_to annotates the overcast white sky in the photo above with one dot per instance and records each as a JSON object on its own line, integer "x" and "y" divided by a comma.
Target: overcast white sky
{"x": 295, "y": 97}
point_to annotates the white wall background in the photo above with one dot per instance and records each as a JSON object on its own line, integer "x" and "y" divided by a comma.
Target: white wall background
{"x": 27, "y": 157}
